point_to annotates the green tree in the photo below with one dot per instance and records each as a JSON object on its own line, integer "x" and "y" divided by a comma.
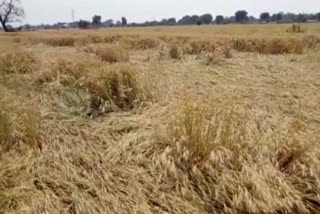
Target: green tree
{"x": 231, "y": 19}
{"x": 189, "y": 20}
{"x": 124, "y": 21}
{"x": 172, "y": 21}
{"x": 96, "y": 20}
{"x": 206, "y": 18}
{"x": 241, "y": 16}
{"x": 301, "y": 18}
{"x": 219, "y": 19}
{"x": 265, "y": 17}
{"x": 184, "y": 20}
{"x": 194, "y": 20}
{"x": 279, "y": 16}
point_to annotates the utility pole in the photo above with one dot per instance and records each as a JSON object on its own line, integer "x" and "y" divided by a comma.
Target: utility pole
{"x": 73, "y": 15}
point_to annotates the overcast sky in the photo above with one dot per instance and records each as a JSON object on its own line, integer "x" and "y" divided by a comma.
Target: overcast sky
{"x": 52, "y": 11}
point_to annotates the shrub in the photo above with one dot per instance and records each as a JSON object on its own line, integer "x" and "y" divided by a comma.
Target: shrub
{"x": 20, "y": 62}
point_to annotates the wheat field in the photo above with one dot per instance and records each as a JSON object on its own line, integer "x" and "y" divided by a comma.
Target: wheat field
{"x": 193, "y": 119}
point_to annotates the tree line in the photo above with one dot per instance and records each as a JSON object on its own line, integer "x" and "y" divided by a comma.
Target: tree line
{"x": 240, "y": 16}
{"x": 12, "y": 11}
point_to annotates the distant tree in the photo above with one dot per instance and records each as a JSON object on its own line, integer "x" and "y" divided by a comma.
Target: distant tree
{"x": 146, "y": 23}
{"x": 184, "y": 20}
{"x": 232, "y": 19}
{"x": 154, "y": 23}
{"x": 318, "y": 16}
{"x": 10, "y": 11}
{"x": 290, "y": 17}
{"x": 124, "y": 21}
{"x": 265, "y": 17}
{"x": 219, "y": 19}
{"x": 241, "y": 16}
{"x": 164, "y": 22}
{"x": 27, "y": 27}
{"x": 83, "y": 24}
{"x": 273, "y": 17}
{"x": 252, "y": 19}
{"x": 189, "y": 20}
{"x": 206, "y": 18}
{"x": 194, "y": 20}
{"x": 96, "y": 20}
{"x": 172, "y": 21}
{"x": 118, "y": 23}
{"x": 311, "y": 16}
{"x": 301, "y": 18}
{"x": 199, "y": 22}
{"x": 279, "y": 16}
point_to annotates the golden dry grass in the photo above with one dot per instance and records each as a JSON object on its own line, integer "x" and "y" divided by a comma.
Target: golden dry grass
{"x": 201, "y": 119}
{"x": 112, "y": 54}
{"x": 269, "y": 46}
{"x": 20, "y": 62}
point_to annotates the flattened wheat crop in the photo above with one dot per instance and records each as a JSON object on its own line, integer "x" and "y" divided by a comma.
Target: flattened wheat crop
{"x": 188, "y": 119}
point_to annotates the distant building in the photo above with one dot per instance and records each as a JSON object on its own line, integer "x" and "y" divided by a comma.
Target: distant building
{"x": 312, "y": 21}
